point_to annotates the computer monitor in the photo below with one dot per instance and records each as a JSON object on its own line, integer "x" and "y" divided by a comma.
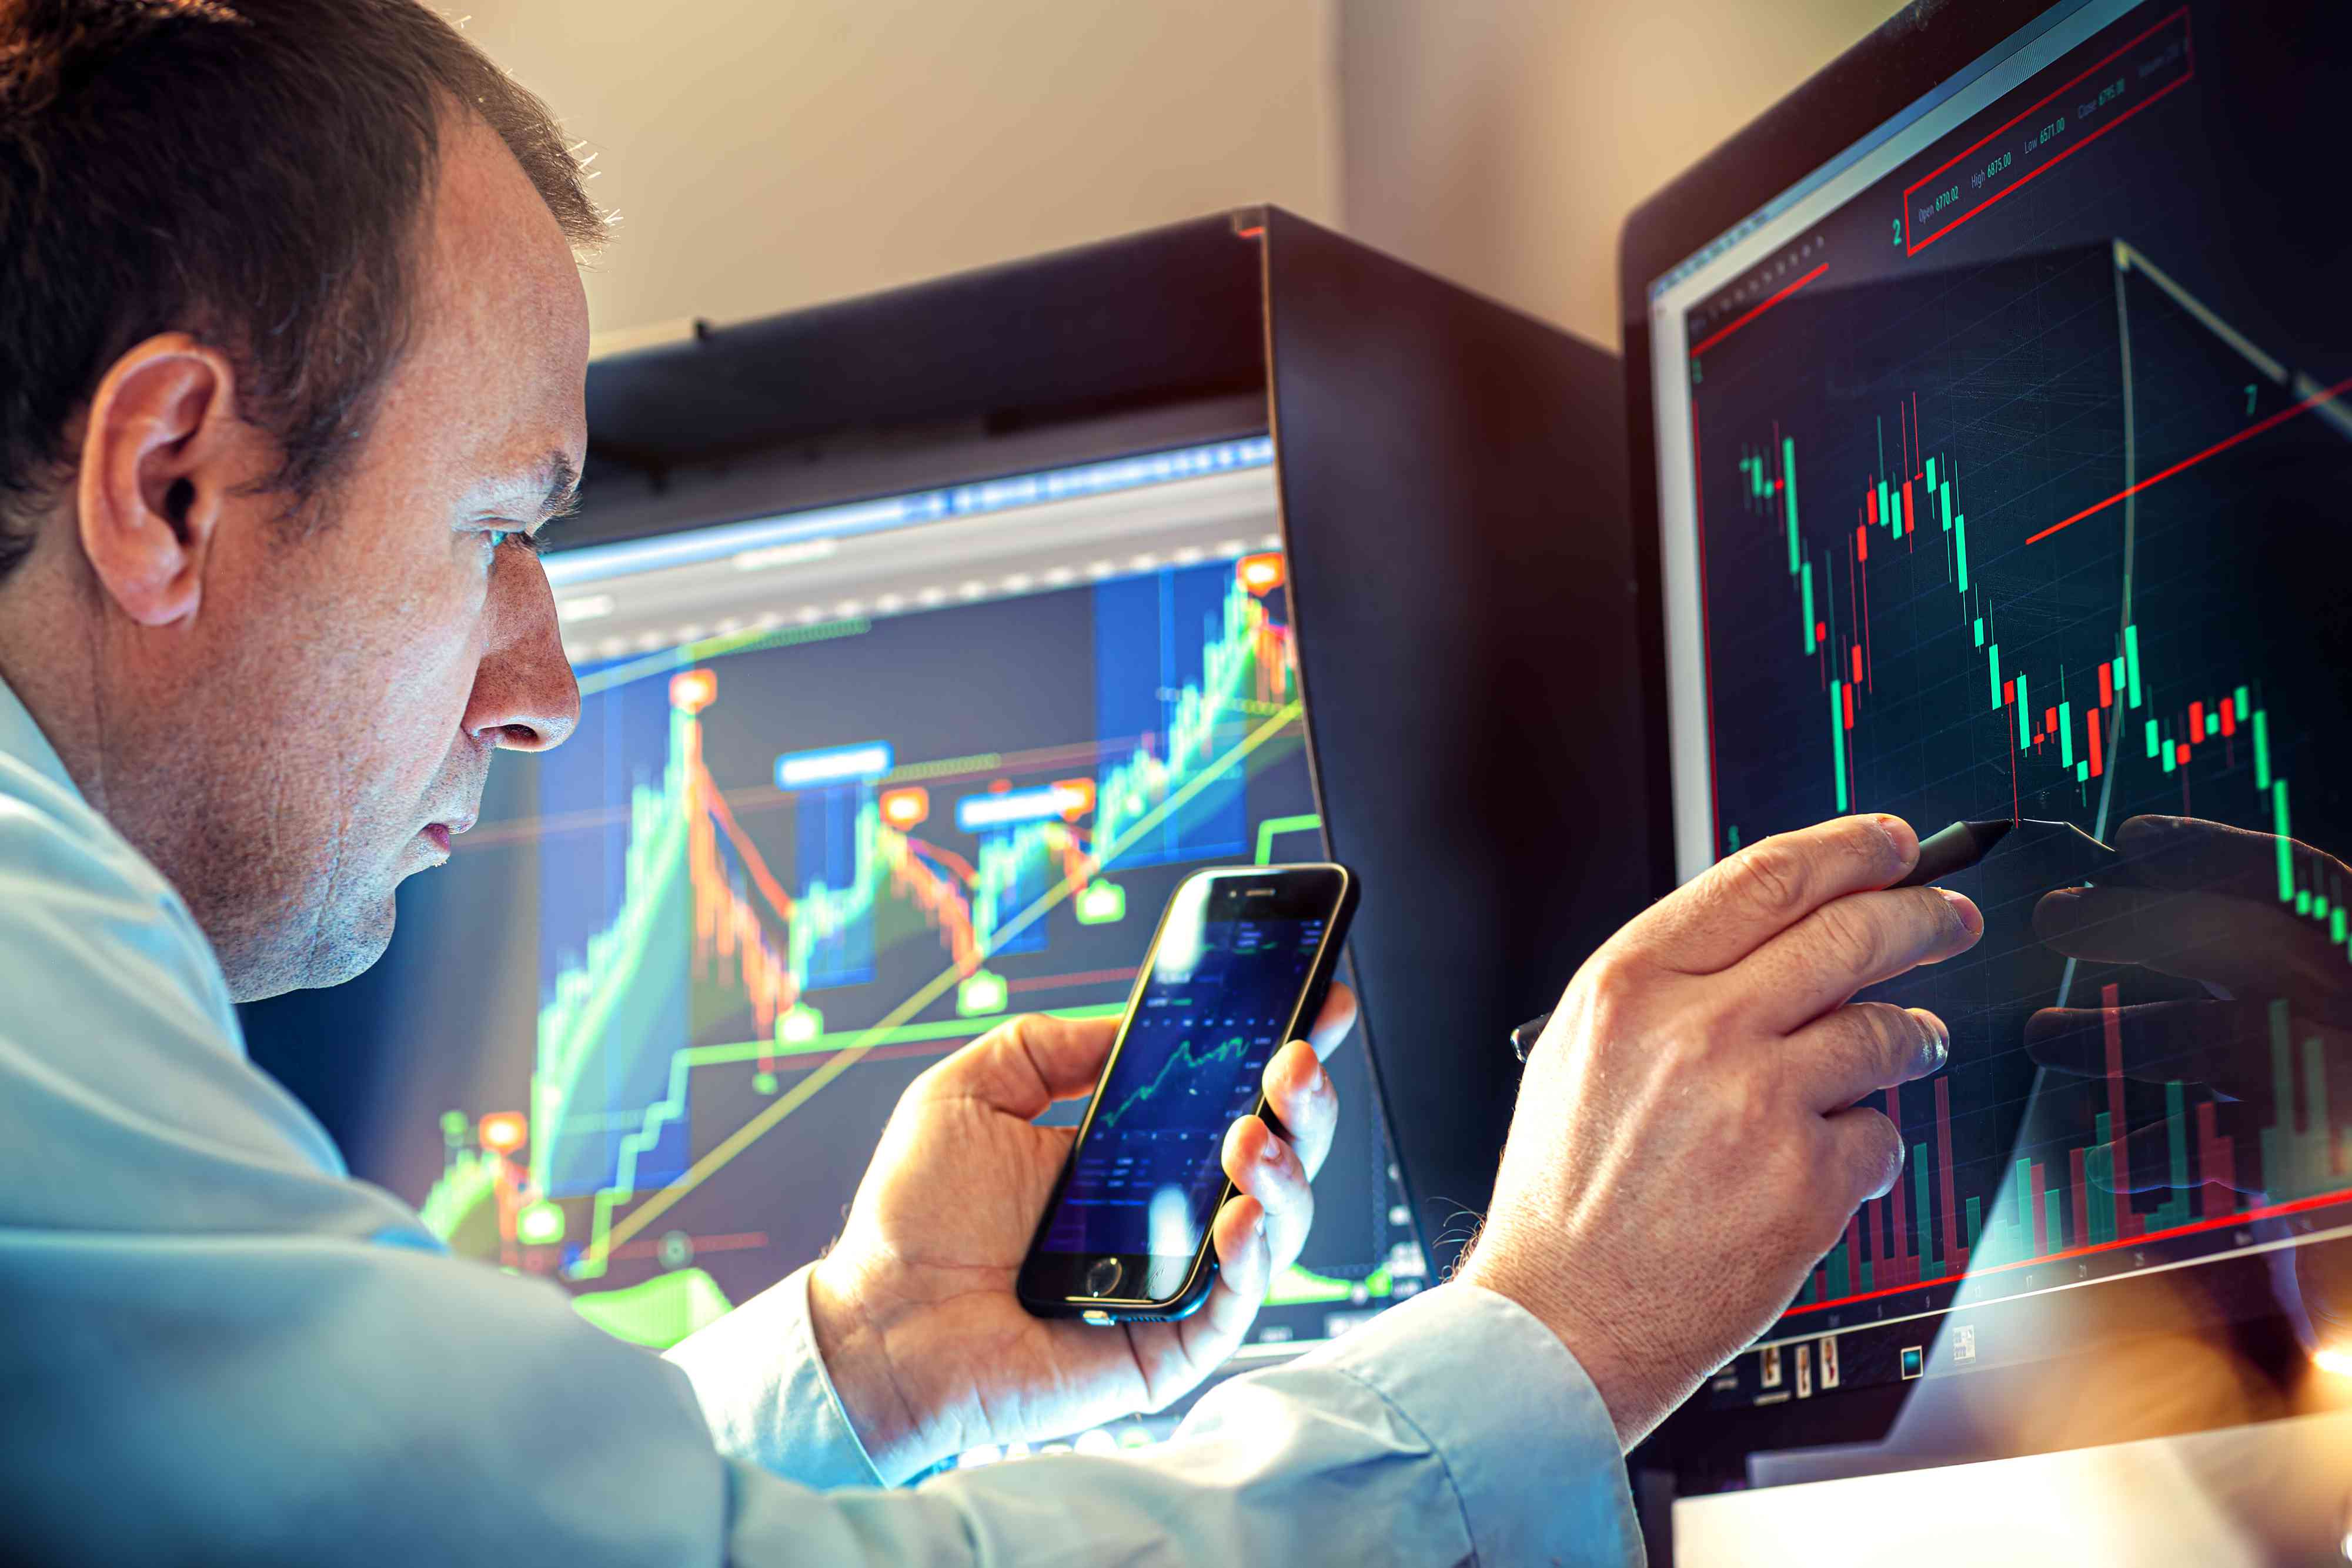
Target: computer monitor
{"x": 852, "y": 784}
{"x": 1989, "y": 407}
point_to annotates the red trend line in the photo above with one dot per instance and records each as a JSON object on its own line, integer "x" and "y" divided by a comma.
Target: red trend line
{"x": 780, "y": 901}
{"x": 726, "y": 926}
{"x": 1712, "y": 338}
{"x": 947, "y": 858}
{"x": 2281, "y": 417}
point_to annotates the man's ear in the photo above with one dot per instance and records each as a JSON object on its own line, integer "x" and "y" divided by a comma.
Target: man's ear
{"x": 163, "y": 455}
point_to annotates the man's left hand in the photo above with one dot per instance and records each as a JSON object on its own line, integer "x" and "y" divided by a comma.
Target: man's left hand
{"x": 914, "y": 1308}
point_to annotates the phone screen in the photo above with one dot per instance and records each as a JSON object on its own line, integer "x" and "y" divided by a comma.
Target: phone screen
{"x": 1233, "y": 956}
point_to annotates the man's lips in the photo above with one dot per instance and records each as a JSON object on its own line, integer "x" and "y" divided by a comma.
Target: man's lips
{"x": 439, "y": 833}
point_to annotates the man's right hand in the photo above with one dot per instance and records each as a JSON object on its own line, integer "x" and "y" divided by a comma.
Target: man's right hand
{"x": 1687, "y": 1143}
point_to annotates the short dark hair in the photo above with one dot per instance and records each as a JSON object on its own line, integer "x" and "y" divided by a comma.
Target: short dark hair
{"x": 254, "y": 172}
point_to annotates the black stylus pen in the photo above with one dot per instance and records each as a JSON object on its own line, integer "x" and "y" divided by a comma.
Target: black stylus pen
{"x": 1941, "y": 854}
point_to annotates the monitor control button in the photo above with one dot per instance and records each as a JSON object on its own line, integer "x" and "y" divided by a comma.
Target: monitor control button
{"x": 1102, "y": 1279}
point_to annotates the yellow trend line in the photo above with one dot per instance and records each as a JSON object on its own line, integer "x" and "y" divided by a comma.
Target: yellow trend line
{"x": 750, "y": 1132}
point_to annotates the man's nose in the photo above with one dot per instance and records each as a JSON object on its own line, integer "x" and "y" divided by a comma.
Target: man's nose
{"x": 525, "y": 698}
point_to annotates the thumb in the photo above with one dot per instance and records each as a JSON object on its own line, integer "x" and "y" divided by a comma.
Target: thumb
{"x": 1024, "y": 1064}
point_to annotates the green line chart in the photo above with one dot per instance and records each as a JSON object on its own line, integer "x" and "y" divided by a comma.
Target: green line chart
{"x": 1183, "y": 1060}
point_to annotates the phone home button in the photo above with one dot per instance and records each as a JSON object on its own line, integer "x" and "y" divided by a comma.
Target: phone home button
{"x": 1102, "y": 1278}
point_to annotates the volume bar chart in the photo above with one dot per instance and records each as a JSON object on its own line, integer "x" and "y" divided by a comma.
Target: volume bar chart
{"x": 2082, "y": 1201}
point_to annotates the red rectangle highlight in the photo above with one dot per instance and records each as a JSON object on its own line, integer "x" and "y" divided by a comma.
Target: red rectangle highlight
{"x": 1861, "y": 544}
{"x": 2107, "y": 685}
{"x": 1909, "y": 515}
{"x": 2196, "y": 721}
{"x": 1857, "y": 662}
{"x": 2177, "y": 21}
{"x": 2093, "y": 716}
{"x": 1870, "y": 505}
{"x": 2009, "y": 694}
{"x": 2228, "y": 716}
{"x": 1848, "y": 690}
{"x": 2048, "y": 721}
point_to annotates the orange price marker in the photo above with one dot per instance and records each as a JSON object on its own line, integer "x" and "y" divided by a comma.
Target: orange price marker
{"x": 904, "y": 808}
{"x": 1261, "y": 574}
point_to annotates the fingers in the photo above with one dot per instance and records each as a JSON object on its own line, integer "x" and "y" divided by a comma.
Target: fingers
{"x": 1856, "y": 942}
{"x": 1302, "y": 1097}
{"x": 2249, "y": 946}
{"x": 2225, "y": 1044}
{"x": 1024, "y": 1064}
{"x": 2189, "y": 854}
{"x": 1741, "y": 903}
{"x": 2147, "y": 1164}
{"x": 1864, "y": 1156}
{"x": 1244, "y": 1274}
{"x": 1333, "y": 1021}
{"x": 1268, "y": 1170}
{"x": 1864, "y": 1047}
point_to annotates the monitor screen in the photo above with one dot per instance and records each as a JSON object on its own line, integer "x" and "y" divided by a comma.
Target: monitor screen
{"x": 2000, "y": 462}
{"x": 851, "y": 785}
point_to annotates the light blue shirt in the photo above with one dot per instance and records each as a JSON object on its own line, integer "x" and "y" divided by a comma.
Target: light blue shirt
{"x": 219, "y": 1347}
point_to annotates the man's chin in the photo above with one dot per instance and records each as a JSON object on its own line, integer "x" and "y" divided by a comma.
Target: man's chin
{"x": 336, "y": 950}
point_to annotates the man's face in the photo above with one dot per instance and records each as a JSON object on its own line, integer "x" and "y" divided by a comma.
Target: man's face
{"x": 327, "y": 721}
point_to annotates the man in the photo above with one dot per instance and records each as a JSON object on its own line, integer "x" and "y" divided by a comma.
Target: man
{"x": 297, "y": 351}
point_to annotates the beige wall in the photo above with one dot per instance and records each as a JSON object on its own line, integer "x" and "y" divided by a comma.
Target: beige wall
{"x": 769, "y": 153}
{"x": 765, "y": 154}
{"x": 1501, "y": 142}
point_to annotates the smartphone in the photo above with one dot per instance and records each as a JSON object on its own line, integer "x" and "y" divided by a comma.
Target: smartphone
{"x": 1239, "y": 966}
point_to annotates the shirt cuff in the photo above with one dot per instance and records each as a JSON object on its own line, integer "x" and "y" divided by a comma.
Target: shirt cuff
{"x": 1528, "y": 1446}
{"x": 763, "y": 1389}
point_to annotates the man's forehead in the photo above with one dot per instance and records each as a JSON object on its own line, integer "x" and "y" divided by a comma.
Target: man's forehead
{"x": 494, "y": 243}
{"x": 503, "y": 333}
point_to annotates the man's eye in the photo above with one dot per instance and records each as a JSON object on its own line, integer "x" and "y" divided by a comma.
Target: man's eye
{"x": 500, "y": 536}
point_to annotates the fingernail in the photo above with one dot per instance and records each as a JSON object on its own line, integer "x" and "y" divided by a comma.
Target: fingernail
{"x": 1964, "y": 910}
{"x": 1939, "y": 1037}
{"x": 1899, "y": 835}
{"x": 1272, "y": 1152}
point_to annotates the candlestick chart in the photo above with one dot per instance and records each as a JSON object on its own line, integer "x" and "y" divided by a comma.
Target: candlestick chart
{"x": 2042, "y": 536}
{"x": 780, "y": 874}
